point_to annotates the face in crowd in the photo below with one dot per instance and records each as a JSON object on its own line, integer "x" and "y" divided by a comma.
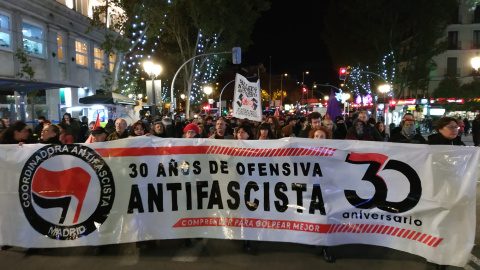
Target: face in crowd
{"x": 363, "y": 117}
{"x": 139, "y": 130}
{"x": 221, "y": 126}
{"x": 450, "y": 131}
{"x": 242, "y": 135}
{"x": 99, "y": 137}
{"x": 190, "y": 134}
{"x": 120, "y": 125}
{"x": 319, "y": 134}
{"x": 158, "y": 128}
{"x": 47, "y": 133}
{"x": 21, "y": 135}
{"x": 263, "y": 134}
{"x": 328, "y": 123}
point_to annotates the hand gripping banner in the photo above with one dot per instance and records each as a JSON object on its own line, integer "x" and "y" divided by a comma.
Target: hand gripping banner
{"x": 415, "y": 198}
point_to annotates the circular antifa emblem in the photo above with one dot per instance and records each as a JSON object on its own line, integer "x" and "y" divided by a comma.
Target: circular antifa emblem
{"x": 66, "y": 191}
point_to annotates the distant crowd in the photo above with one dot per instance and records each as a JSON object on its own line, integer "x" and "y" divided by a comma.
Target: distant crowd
{"x": 361, "y": 127}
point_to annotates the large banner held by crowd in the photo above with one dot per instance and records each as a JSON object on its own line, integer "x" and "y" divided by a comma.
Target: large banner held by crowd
{"x": 415, "y": 198}
{"x": 247, "y": 101}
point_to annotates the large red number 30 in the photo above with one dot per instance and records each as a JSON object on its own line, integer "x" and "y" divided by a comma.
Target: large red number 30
{"x": 379, "y": 199}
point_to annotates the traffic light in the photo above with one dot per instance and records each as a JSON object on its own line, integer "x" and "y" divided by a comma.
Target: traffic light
{"x": 343, "y": 74}
{"x": 304, "y": 90}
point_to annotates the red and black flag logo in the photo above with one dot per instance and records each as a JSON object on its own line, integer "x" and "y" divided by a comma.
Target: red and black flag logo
{"x": 66, "y": 200}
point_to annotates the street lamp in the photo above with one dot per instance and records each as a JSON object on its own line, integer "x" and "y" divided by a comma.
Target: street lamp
{"x": 153, "y": 71}
{"x": 207, "y": 90}
{"x": 303, "y": 80}
{"x": 475, "y": 62}
{"x": 384, "y": 88}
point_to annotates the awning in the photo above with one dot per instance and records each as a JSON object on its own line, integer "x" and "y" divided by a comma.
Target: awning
{"x": 25, "y": 87}
{"x": 108, "y": 98}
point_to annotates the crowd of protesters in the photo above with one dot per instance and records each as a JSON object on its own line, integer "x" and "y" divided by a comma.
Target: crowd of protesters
{"x": 448, "y": 130}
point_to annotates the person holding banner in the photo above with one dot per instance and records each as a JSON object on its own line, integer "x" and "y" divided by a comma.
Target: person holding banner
{"x": 191, "y": 131}
{"x": 139, "y": 128}
{"x": 357, "y": 131}
{"x": 314, "y": 120}
{"x": 320, "y": 133}
{"x": 121, "y": 131}
{"x": 15, "y": 134}
{"x": 245, "y": 132}
{"x": 447, "y": 128}
{"x": 265, "y": 132}
{"x": 50, "y": 134}
{"x": 99, "y": 134}
{"x": 220, "y": 130}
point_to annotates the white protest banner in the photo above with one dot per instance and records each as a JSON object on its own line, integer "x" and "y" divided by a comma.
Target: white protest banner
{"x": 247, "y": 101}
{"x": 415, "y": 198}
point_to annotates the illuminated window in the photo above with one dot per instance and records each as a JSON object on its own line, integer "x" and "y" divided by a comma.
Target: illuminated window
{"x": 60, "y": 47}
{"x": 82, "y": 53}
{"x": 111, "y": 58}
{"x": 98, "y": 58}
{"x": 5, "y": 32}
{"x": 32, "y": 39}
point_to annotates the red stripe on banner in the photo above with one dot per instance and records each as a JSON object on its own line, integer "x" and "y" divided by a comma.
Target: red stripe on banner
{"x": 416, "y": 236}
{"x": 337, "y": 228}
{"x": 385, "y": 229}
{"x": 422, "y": 237}
{"x": 151, "y": 151}
{"x": 380, "y": 229}
{"x": 365, "y": 228}
{"x": 395, "y": 231}
{"x": 407, "y": 232}
{"x": 438, "y": 242}
{"x": 390, "y": 230}
{"x": 430, "y": 243}
{"x": 332, "y": 228}
{"x": 411, "y": 234}
{"x": 351, "y": 227}
{"x": 360, "y": 228}
{"x": 427, "y": 239}
{"x": 198, "y": 150}
{"x": 400, "y": 232}
{"x": 344, "y": 228}
{"x": 374, "y": 229}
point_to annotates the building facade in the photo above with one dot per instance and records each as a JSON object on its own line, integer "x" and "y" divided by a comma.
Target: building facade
{"x": 54, "y": 35}
{"x": 463, "y": 41}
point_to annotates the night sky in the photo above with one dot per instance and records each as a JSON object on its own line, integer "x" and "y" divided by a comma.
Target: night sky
{"x": 290, "y": 32}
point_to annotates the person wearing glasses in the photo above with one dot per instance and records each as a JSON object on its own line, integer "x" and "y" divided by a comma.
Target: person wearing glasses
{"x": 138, "y": 128}
{"x": 447, "y": 128}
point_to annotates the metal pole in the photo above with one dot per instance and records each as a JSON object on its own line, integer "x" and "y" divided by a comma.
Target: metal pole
{"x": 270, "y": 85}
{"x": 176, "y": 74}
{"x": 154, "y": 110}
{"x": 281, "y": 91}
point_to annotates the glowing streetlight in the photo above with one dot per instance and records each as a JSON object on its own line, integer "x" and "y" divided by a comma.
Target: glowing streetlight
{"x": 475, "y": 62}
{"x": 326, "y": 98}
{"x": 384, "y": 88}
{"x": 153, "y": 71}
{"x": 182, "y": 96}
{"x": 207, "y": 90}
{"x": 140, "y": 96}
